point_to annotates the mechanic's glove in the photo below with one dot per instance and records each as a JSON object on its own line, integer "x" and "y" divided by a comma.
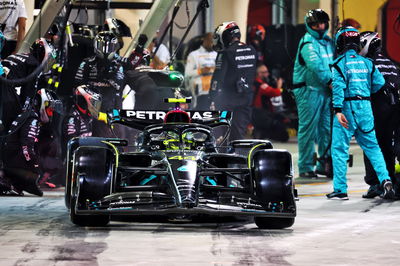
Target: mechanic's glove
{"x": 135, "y": 60}
{"x": 141, "y": 43}
{"x": 109, "y": 117}
{"x": 103, "y": 117}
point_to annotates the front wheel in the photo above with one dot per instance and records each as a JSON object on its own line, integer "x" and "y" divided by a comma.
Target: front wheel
{"x": 273, "y": 223}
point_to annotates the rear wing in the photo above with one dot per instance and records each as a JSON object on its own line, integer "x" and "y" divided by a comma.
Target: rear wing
{"x": 139, "y": 119}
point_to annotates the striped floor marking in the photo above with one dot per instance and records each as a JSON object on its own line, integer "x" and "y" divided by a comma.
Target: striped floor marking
{"x": 323, "y": 194}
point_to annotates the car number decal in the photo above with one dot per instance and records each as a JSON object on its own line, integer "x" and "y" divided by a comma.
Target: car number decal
{"x": 181, "y": 158}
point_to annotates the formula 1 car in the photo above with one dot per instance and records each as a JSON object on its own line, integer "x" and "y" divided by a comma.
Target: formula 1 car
{"x": 177, "y": 170}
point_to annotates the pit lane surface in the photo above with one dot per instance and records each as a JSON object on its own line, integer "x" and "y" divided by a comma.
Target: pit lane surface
{"x": 37, "y": 231}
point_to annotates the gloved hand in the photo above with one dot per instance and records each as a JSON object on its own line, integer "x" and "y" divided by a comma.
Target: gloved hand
{"x": 109, "y": 117}
{"x": 141, "y": 43}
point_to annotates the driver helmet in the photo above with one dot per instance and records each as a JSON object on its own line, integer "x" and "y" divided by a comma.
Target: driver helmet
{"x": 177, "y": 116}
{"x": 171, "y": 141}
{"x": 370, "y": 43}
{"x": 106, "y": 45}
{"x": 87, "y": 100}
{"x": 46, "y": 104}
{"x": 188, "y": 140}
{"x": 224, "y": 34}
{"x": 313, "y": 17}
{"x": 347, "y": 38}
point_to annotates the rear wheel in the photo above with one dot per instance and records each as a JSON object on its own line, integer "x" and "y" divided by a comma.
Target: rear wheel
{"x": 273, "y": 223}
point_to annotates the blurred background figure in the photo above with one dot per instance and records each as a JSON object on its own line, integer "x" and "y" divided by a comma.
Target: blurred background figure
{"x": 268, "y": 119}
{"x": 386, "y": 109}
{"x": 199, "y": 69}
{"x": 12, "y": 23}
{"x": 311, "y": 87}
{"x": 256, "y": 38}
{"x": 159, "y": 53}
{"x": 352, "y": 23}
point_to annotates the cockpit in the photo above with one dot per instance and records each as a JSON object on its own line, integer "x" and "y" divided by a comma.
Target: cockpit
{"x": 177, "y": 137}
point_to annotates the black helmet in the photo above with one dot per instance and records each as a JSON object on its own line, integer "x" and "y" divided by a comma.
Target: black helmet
{"x": 347, "y": 38}
{"x": 315, "y": 16}
{"x": 38, "y": 49}
{"x": 54, "y": 29}
{"x": 118, "y": 27}
{"x": 370, "y": 43}
{"x": 87, "y": 100}
{"x": 224, "y": 34}
{"x": 105, "y": 45}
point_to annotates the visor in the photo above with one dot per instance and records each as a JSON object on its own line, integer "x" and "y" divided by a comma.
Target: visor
{"x": 106, "y": 47}
{"x": 53, "y": 106}
{"x": 95, "y": 105}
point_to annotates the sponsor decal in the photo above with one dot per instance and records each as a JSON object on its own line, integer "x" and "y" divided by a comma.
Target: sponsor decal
{"x": 26, "y": 153}
{"x": 351, "y": 34}
{"x": 183, "y": 168}
{"x": 159, "y": 115}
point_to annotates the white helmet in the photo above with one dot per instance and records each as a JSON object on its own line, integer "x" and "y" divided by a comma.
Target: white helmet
{"x": 46, "y": 104}
{"x": 370, "y": 43}
{"x": 87, "y": 101}
{"x": 224, "y": 34}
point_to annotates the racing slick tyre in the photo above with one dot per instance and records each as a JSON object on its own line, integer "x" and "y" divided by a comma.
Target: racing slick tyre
{"x": 273, "y": 223}
{"x": 73, "y": 145}
{"x": 94, "y": 169}
{"x": 273, "y": 177}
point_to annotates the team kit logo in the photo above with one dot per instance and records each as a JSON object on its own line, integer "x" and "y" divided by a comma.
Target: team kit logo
{"x": 159, "y": 115}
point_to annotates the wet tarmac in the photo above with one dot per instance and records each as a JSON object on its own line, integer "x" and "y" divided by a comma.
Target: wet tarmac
{"x": 37, "y": 231}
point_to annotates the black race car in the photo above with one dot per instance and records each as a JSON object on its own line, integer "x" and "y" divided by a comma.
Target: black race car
{"x": 177, "y": 170}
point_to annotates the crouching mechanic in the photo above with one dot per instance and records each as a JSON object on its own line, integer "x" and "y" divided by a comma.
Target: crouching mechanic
{"x": 354, "y": 79}
{"x": 20, "y": 154}
{"x": 78, "y": 122}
